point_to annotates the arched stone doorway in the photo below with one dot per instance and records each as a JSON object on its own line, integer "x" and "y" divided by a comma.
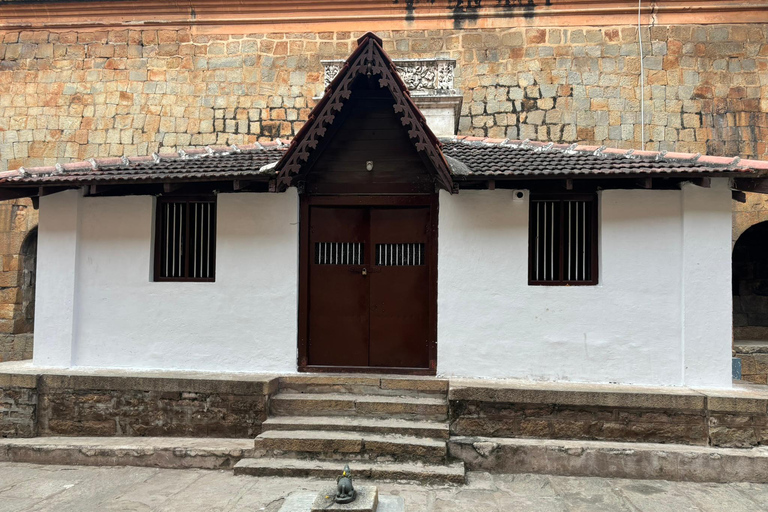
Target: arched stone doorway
{"x": 750, "y": 302}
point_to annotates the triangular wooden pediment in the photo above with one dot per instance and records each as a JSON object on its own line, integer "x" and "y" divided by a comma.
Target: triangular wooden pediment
{"x": 368, "y": 64}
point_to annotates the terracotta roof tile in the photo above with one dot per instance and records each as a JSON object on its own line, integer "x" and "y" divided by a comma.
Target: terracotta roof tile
{"x": 491, "y": 157}
{"x": 469, "y": 157}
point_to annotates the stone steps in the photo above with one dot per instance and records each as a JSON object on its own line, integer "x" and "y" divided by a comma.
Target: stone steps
{"x": 431, "y": 429}
{"x": 349, "y": 404}
{"x": 159, "y": 452}
{"x": 334, "y": 445}
{"x": 364, "y": 385}
{"x": 414, "y": 471}
{"x": 386, "y": 427}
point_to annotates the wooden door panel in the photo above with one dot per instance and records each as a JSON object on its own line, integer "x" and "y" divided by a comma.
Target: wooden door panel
{"x": 338, "y": 291}
{"x": 399, "y": 332}
{"x": 400, "y": 317}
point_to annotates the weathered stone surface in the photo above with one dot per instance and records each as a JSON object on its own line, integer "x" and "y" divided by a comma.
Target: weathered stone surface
{"x": 371, "y": 385}
{"x": 164, "y": 452}
{"x": 557, "y": 421}
{"x": 104, "y": 412}
{"x": 614, "y": 460}
{"x": 15, "y": 347}
{"x": 431, "y": 429}
{"x": 329, "y": 404}
{"x": 275, "y": 74}
{"x": 18, "y": 411}
{"x": 409, "y": 471}
{"x": 367, "y": 500}
{"x": 514, "y": 391}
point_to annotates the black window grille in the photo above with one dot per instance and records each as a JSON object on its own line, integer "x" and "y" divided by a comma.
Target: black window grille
{"x": 185, "y": 239}
{"x": 563, "y": 240}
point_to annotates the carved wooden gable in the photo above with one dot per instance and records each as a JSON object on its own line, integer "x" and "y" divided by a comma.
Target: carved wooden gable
{"x": 366, "y": 116}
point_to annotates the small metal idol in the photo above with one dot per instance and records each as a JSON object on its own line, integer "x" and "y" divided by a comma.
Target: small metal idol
{"x": 345, "y": 493}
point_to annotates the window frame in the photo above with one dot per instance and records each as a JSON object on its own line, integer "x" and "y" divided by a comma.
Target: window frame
{"x": 159, "y": 223}
{"x": 591, "y": 198}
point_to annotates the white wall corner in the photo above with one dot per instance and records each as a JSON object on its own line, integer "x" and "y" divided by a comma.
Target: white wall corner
{"x": 706, "y": 287}
{"x": 56, "y": 293}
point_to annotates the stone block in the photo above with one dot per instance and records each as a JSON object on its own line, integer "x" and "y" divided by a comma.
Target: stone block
{"x": 367, "y": 500}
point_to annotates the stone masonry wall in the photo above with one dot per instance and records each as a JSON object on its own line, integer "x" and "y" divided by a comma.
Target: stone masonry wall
{"x": 16, "y": 347}
{"x": 132, "y": 406}
{"x": 18, "y": 405}
{"x": 67, "y": 95}
{"x": 17, "y": 276}
{"x": 694, "y": 418}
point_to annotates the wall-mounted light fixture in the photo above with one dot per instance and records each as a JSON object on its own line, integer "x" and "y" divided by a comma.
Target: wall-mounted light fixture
{"x": 369, "y": 165}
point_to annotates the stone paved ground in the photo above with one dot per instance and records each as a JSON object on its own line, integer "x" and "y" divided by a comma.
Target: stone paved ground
{"x": 84, "y": 489}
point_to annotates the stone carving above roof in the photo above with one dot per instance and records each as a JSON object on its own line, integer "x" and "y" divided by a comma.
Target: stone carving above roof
{"x": 423, "y": 77}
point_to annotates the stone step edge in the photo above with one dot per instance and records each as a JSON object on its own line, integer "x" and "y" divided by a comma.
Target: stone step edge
{"x": 357, "y": 397}
{"x": 330, "y": 435}
{"x": 417, "y": 428}
{"x": 424, "y": 473}
{"x": 605, "y": 459}
{"x": 159, "y": 452}
{"x": 332, "y": 404}
{"x": 330, "y": 445}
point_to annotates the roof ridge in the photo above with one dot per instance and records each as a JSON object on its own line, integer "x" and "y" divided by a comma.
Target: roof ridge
{"x": 188, "y": 153}
{"x": 602, "y": 151}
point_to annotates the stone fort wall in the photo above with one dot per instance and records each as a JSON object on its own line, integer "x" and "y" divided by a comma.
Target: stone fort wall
{"x": 70, "y": 95}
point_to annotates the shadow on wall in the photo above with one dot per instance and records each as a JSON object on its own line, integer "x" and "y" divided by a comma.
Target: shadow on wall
{"x": 17, "y": 345}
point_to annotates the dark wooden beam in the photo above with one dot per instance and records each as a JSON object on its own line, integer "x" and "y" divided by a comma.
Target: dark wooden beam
{"x": 244, "y": 184}
{"x": 702, "y": 182}
{"x": 171, "y": 187}
{"x": 17, "y": 193}
{"x": 756, "y": 185}
{"x": 95, "y": 190}
{"x": 739, "y": 196}
{"x": 645, "y": 183}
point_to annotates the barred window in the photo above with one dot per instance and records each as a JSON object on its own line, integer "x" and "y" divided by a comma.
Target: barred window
{"x": 563, "y": 240}
{"x": 185, "y": 239}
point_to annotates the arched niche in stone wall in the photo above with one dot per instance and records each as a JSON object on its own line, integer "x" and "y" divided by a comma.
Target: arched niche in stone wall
{"x": 750, "y": 284}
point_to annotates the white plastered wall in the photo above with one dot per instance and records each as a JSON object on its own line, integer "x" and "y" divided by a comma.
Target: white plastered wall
{"x": 98, "y": 307}
{"x": 660, "y": 315}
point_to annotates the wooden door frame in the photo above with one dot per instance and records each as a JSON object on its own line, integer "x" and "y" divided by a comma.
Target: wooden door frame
{"x": 305, "y": 202}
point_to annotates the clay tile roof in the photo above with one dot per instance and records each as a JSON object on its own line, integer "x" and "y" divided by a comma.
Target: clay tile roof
{"x": 468, "y": 158}
{"x": 195, "y": 164}
{"x": 493, "y": 157}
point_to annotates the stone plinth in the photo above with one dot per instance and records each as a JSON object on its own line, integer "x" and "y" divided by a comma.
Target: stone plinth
{"x": 367, "y": 500}
{"x": 303, "y": 502}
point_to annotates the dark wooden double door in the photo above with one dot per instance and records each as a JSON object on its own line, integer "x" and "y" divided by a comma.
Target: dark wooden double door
{"x": 370, "y": 294}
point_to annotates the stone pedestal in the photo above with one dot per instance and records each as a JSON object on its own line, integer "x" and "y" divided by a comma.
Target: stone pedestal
{"x": 309, "y": 502}
{"x": 367, "y": 500}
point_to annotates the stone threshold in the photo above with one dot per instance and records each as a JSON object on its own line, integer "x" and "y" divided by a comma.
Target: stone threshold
{"x": 605, "y": 459}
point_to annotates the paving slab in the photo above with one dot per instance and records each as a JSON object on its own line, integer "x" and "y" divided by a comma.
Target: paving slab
{"x": 29, "y": 487}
